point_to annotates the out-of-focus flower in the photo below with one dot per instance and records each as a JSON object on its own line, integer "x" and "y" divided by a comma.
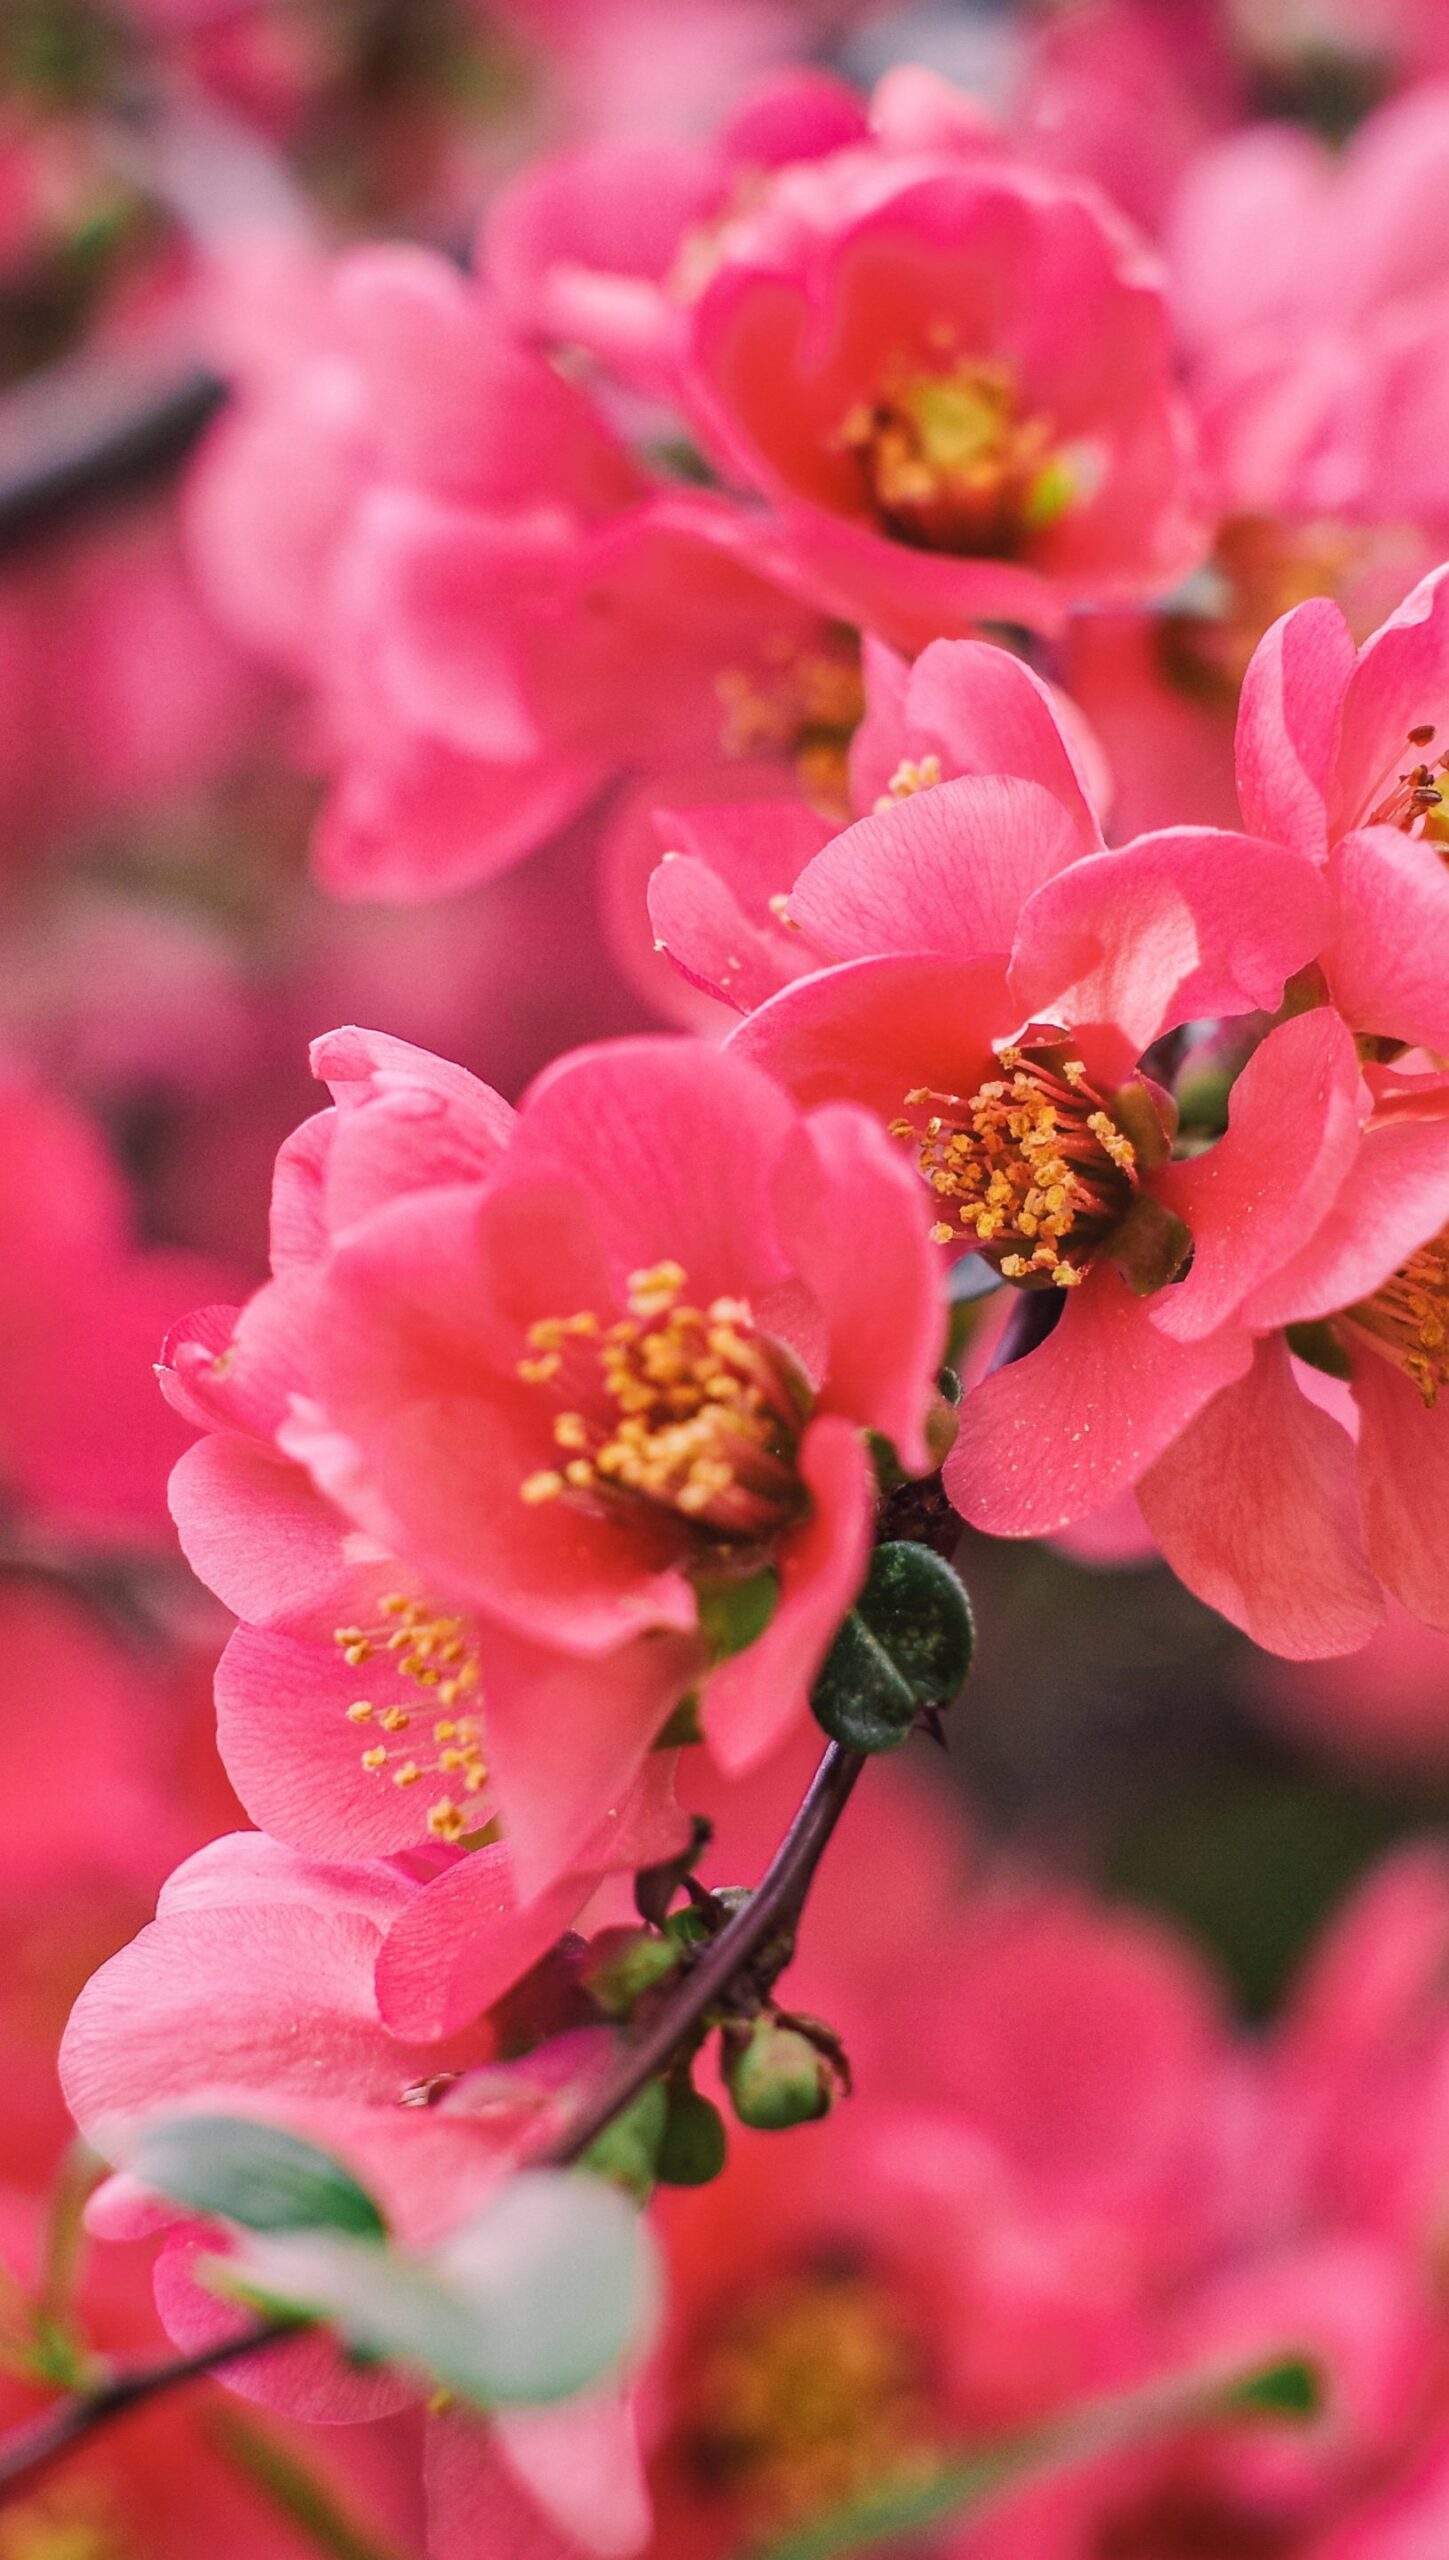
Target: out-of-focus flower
{"x": 83, "y": 1450}
{"x": 951, "y": 381}
{"x": 593, "y": 1385}
{"x": 480, "y": 582}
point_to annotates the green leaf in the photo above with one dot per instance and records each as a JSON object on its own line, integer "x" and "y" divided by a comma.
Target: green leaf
{"x": 1290, "y": 2388}
{"x": 907, "y": 1644}
{"x": 253, "y": 2174}
{"x": 732, "y": 1613}
{"x": 532, "y": 2301}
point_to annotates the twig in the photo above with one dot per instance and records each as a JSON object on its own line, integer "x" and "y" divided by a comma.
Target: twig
{"x": 30, "y": 2448}
{"x": 771, "y": 1910}
{"x": 772, "y": 1906}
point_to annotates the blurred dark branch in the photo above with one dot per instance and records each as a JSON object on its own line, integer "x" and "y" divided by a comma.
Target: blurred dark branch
{"x": 91, "y": 429}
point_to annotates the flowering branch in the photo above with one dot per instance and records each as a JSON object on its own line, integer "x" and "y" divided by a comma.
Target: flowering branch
{"x": 759, "y": 1933}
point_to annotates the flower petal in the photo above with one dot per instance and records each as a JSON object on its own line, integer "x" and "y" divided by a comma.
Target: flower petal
{"x": 1256, "y": 1509}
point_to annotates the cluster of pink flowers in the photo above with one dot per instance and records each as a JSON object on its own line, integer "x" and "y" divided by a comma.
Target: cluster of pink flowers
{"x": 877, "y": 658}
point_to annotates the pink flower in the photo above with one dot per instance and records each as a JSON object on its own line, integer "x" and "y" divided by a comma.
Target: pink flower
{"x": 1267, "y": 1506}
{"x": 721, "y": 901}
{"x": 601, "y": 247}
{"x": 446, "y": 1436}
{"x": 950, "y": 379}
{"x": 990, "y": 991}
{"x": 408, "y": 511}
{"x": 255, "y": 1992}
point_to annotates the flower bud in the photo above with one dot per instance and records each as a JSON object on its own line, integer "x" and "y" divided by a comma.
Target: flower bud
{"x": 624, "y": 1964}
{"x": 695, "y": 2143}
{"x": 777, "y": 2077}
{"x": 628, "y": 2149}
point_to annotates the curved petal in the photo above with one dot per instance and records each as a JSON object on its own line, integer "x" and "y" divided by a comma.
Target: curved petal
{"x": 1387, "y": 964}
{"x": 1395, "y": 1199}
{"x": 1288, "y": 1149}
{"x": 873, "y": 1030}
{"x": 1401, "y": 682}
{"x": 674, "y": 1148}
{"x": 259, "y": 1534}
{"x": 881, "y": 1300}
{"x": 751, "y": 1701}
{"x": 1175, "y": 927}
{"x": 983, "y": 710}
{"x": 1256, "y": 1509}
{"x": 465, "y": 1940}
{"x": 567, "y": 1738}
{"x": 1403, "y": 1458}
{"x": 946, "y": 870}
{"x": 1054, "y": 1436}
{"x": 1288, "y": 724}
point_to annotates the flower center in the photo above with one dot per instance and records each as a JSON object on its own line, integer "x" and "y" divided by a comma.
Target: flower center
{"x": 951, "y": 465}
{"x": 1418, "y": 803}
{"x": 812, "y": 2394}
{"x": 1030, "y": 1169}
{"x": 678, "y": 1410}
{"x": 438, "y": 1660}
{"x": 1408, "y": 1318}
{"x": 804, "y": 703}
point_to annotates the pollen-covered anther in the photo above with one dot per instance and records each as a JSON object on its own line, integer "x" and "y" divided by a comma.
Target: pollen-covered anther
{"x": 685, "y": 1408}
{"x": 1031, "y": 1168}
{"x": 436, "y": 1655}
{"x": 1408, "y": 1318}
{"x": 1418, "y": 803}
{"x": 951, "y": 463}
{"x": 910, "y": 776}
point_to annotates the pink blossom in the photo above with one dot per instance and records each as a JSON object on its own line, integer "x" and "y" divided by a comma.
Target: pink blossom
{"x": 406, "y": 510}
{"x": 986, "y": 979}
{"x": 951, "y": 382}
{"x": 722, "y": 902}
{"x": 1335, "y": 755}
{"x": 423, "y": 1371}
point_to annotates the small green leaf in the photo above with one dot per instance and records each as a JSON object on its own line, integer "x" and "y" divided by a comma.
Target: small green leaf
{"x": 530, "y": 2302}
{"x": 254, "y": 2174}
{"x": 907, "y": 1644}
{"x": 1292, "y": 2388}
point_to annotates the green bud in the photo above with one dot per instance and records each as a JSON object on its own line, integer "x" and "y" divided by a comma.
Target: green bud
{"x": 628, "y": 2149}
{"x": 777, "y": 2077}
{"x": 624, "y": 1964}
{"x": 694, "y": 2145}
{"x": 906, "y": 1645}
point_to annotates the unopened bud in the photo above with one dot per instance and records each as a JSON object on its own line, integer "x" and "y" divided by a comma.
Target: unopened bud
{"x": 695, "y": 2142}
{"x": 624, "y": 1964}
{"x": 627, "y": 2151}
{"x": 777, "y": 2077}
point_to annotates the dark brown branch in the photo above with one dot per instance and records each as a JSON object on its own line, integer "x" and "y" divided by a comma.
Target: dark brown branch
{"x": 772, "y": 1907}
{"x": 770, "y": 1914}
{"x": 90, "y": 429}
{"x": 30, "y": 2448}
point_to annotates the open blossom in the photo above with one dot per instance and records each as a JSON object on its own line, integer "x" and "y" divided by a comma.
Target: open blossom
{"x": 494, "y": 606}
{"x": 952, "y": 385}
{"x": 720, "y": 901}
{"x": 1337, "y": 753}
{"x": 570, "y": 1409}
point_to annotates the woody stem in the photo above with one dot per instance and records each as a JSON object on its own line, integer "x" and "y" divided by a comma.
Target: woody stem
{"x": 769, "y": 1915}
